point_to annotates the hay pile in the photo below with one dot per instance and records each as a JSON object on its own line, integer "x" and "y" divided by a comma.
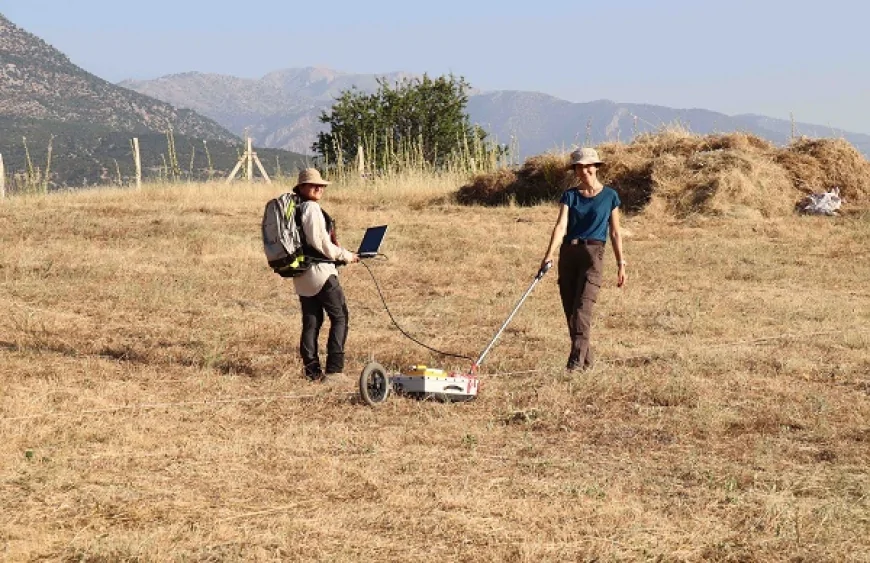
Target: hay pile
{"x": 680, "y": 173}
{"x": 816, "y": 165}
{"x": 541, "y": 178}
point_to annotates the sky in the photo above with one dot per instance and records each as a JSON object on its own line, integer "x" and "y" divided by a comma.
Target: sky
{"x": 770, "y": 57}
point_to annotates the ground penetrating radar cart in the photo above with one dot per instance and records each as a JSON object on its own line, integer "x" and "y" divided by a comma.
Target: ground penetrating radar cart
{"x": 421, "y": 382}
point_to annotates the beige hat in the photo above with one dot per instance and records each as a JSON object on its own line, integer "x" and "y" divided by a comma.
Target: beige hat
{"x": 585, "y": 156}
{"x": 310, "y": 176}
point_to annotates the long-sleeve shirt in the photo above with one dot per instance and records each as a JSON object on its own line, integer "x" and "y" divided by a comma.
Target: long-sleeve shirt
{"x": 311, "y": 282}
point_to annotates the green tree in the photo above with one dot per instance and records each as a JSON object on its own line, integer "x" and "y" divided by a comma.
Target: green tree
{"x": 417, "y": 122}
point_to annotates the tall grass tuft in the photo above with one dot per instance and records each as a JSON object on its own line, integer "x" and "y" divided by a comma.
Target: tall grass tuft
{"x": 173, "y": 170}
{"x": 47, "y": 176}
{"x": 208, "y": 159}
{"x": 34, "y": 180}
{"x": 406, "y": 157}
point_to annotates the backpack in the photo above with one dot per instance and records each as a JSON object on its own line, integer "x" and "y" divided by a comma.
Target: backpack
{"x": 283, "y": 238}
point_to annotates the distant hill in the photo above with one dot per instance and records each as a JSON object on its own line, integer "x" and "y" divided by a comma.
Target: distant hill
{"x": 43, "y": 94}
{"x": 39, "y": 82}
{"x": 281, "y": 110}
{"x": 541, "y": 122}
{"x": 88, "y": 155}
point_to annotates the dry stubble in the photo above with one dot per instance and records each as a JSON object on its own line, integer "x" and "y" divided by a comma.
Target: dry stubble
{"x": 152, "y": 409}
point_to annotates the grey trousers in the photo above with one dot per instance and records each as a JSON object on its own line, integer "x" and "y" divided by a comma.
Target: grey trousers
{"x": 580, "y": 266}
{"x": 329, "y": 300}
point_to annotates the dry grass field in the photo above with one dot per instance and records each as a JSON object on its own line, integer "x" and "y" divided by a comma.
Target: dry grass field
{"x": 152, "y": 406}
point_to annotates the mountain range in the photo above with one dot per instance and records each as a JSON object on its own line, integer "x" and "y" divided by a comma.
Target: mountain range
{"x": 47, "y": 101}
{"x": 281, "y": 110}
{"x": 190, "y": 124}
{"x": 38, "y": 82}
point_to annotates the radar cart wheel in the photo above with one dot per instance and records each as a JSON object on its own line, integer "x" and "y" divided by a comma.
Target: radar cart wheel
{"x": 374, "y": 384}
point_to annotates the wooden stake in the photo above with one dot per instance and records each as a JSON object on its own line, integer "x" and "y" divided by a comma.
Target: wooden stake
{"x": 2, "y": 179}
{"x": 236, "y": 169}
{"x": 262, "y": 170}
{"x": 360, "y": 162}
{"x": 250, "y": 154}
{"x": 249, "y": 158}
{"x": 137, "y": 161}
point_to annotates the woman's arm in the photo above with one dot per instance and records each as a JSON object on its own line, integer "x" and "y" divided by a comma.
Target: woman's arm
{"x": 616, "y": 240}
{"x": 559, "y": 230}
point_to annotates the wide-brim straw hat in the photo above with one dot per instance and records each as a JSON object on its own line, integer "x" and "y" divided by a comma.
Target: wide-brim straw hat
{"x": 585, "y": 156}
{"x": 310, "y": 176}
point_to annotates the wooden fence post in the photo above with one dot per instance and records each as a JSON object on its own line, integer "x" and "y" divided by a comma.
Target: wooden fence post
{"x": 250, "y": 155}
{"x": 262, "y": 169}
{"x": 249, "y": 159}
{"x": 235, "y": 169}
{"x": 138, "y": 162}
{"x": 2, "y": 179}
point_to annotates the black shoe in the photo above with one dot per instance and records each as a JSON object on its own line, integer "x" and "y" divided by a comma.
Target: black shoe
{"x": 318, "y": 376}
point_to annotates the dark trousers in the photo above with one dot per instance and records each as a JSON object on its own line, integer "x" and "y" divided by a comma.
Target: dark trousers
{"x": 580, "y": 268}
{"x": 330, "y": 300}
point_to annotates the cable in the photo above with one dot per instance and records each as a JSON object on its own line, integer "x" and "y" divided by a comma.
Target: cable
{"x": 408, "y": 336}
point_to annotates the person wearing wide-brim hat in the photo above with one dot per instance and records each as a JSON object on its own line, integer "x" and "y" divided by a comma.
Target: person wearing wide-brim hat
{"x": 318, "y": 287}
{"x": 588, "y": 215}
{"x": 309, "y": 177}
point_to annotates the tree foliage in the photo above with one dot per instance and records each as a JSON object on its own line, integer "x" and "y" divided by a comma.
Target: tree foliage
{"x": 416, "y": 121}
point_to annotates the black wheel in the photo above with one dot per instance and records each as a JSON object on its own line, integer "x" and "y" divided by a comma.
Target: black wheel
{"x": 374, "y": 384}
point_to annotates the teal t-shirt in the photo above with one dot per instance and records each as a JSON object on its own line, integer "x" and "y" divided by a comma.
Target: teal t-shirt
{"x": 589, "y": 217}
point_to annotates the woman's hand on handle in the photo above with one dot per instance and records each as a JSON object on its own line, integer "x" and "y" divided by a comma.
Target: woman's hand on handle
{"x": 544, "y": 262}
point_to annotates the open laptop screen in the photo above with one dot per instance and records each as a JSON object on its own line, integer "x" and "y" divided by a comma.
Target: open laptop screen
{"x": 371, "y": 242}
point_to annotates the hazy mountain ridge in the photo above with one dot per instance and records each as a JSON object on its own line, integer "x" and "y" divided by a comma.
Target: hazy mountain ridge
{"x": 39, "y": 82}
{"x": 88, "y": 122}
{"x": 542, "y": 122}
{"x": 281, "y": 110}
{"x": 44, "y": 95}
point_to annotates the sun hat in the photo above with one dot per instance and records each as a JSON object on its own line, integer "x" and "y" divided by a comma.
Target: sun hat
{"x": 585, "y": 155}
{"x": 310, "y": 176}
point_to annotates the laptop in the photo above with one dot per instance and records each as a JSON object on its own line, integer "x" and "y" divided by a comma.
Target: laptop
{"x": 371, "y": 241}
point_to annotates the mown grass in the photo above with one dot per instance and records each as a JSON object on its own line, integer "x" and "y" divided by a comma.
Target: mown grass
{"x": 152, "y": 406}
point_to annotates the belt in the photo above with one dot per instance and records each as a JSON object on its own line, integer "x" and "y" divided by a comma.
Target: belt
{"x": 586, "y": 242}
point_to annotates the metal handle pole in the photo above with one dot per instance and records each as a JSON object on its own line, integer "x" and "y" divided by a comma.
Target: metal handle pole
{"x": 544, "y": 269}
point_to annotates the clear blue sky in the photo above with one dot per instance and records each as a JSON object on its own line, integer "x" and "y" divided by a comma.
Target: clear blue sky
{"x": 769, "y": 57}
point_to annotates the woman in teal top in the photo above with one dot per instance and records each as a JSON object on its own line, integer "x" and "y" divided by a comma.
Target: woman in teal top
{"x": 588, "y": 213}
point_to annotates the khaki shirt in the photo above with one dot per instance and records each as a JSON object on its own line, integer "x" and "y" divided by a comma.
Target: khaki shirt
{"x": 311, "y": 282}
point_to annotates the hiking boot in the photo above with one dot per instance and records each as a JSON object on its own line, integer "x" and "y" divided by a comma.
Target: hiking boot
{"x": 313, "y": 376}
{"x": 575, "y": 367}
